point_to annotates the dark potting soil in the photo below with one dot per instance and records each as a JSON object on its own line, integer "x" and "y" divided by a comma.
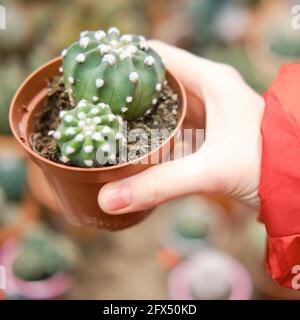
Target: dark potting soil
{"x": 163, "y": 116}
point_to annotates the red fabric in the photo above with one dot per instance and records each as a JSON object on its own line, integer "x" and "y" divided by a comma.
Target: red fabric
{"x": 280, "y": 177}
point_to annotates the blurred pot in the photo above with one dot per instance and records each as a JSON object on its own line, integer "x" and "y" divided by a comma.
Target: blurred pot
{"x": 210, "y": 275}
{"x": 77, "y": 189}
{"x": 50, "y": 288}
{"x": 12, "y": 175}
{"x": 194, "y": 223}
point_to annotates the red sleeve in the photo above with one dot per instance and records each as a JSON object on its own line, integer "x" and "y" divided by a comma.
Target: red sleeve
{"x": 280, "y": 176}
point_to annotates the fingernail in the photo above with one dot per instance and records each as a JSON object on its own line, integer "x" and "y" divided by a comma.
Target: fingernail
{"x": 116, "y": 197}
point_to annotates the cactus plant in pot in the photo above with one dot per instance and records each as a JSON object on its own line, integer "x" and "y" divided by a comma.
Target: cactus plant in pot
{"x": 73, "y": 125}
{"x": 40, "y": 264}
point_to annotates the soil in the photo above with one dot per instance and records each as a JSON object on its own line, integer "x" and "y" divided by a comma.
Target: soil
{"x": 164, "y": 115}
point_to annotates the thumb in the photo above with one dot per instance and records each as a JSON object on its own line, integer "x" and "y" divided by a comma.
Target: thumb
{"x": 154, "y": 186}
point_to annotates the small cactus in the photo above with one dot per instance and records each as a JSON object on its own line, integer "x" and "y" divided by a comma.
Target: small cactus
{"x": 120, "y": 70}
{"x": 88, "y": 135}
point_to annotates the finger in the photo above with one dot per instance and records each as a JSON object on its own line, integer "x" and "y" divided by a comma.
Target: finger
{"x": 155, "y": 185}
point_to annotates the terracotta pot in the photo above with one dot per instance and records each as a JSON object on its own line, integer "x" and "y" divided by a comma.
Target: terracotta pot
{"x": 40, "y": 189}
{"x": 76, "y": 189}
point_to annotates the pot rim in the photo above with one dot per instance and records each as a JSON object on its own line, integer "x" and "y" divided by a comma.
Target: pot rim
{"x": 182, "y": 106}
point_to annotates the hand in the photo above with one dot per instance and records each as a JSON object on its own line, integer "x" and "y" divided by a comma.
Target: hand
{"x": 228, "y": 161}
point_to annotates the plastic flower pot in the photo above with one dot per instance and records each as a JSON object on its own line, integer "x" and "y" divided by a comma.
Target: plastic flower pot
{"x": 76, "y": 189}
{"x": 216, "y": 275}
{"x": 50, "y": 288}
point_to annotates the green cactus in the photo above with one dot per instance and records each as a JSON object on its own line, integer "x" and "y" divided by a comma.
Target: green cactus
{"x": 2, "y": 201}
{"x": 44, "y": 253}
{"x": 120, "y": 70}
{"x": 88, "y": 135}
{"x": 286, "y": 44}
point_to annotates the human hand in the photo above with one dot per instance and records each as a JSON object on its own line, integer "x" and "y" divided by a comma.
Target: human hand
{"x": 228, "y": 161}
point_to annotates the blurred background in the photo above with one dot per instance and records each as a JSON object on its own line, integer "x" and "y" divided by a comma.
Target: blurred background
{"x": 198, "y": 247}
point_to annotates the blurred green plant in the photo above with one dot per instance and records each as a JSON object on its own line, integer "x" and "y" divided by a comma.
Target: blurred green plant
{"x": 13, "y": 71}
{"x": 12, "y": 74}
{"x": 44, "y": 253}
{"x": 285, "y": 42}
{"x": 129, "y": 15}
{"x": 191, "y": 225}
{"x": 203, "y": 15}
{"x": 12, "y": 176}
{"x": 206, "y": 15}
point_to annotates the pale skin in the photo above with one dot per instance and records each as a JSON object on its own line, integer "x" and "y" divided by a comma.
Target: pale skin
{"x": 229, "y": 160}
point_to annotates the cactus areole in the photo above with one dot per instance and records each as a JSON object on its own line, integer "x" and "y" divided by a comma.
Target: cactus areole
{"x": 119, "y": 70}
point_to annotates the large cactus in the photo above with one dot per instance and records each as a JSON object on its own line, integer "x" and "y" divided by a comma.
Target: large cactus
{"x": 88, "y": 135}
{"x": 122, "y": 71}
